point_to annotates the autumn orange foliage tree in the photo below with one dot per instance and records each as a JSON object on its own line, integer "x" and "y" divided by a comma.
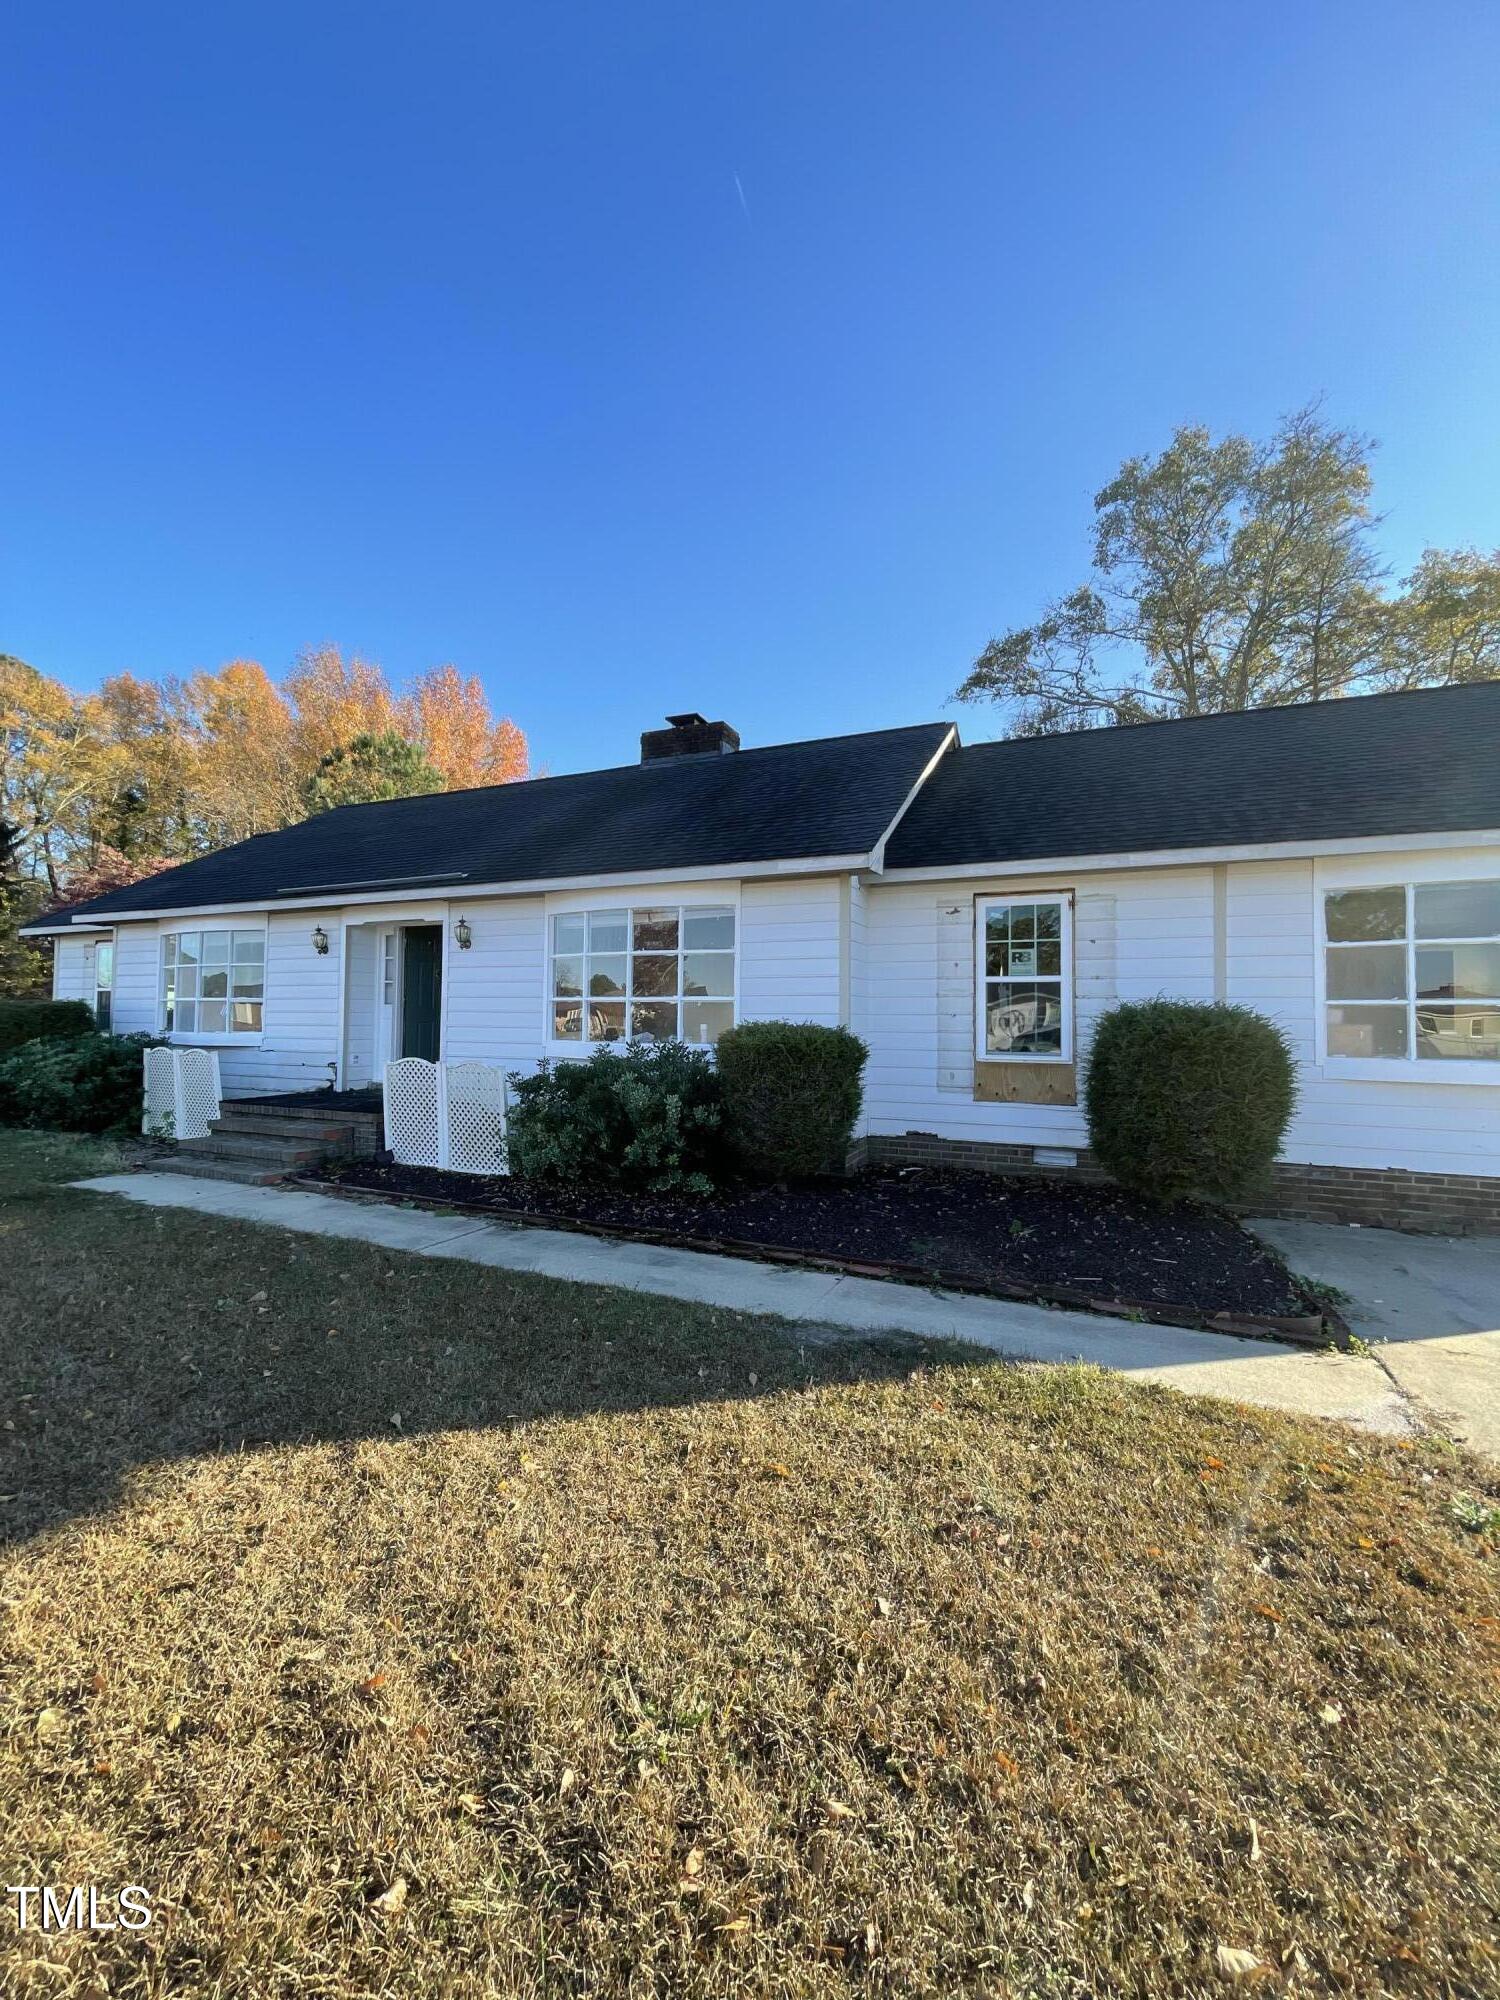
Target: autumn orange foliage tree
{"x": 145, "y": 773}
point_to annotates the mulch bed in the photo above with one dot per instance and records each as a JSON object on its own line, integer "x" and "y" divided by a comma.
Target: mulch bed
{"x": 1063, "y": 1243}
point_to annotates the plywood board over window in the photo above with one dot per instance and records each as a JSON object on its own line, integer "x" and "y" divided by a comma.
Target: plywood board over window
{"x": 1025, "y": 1083}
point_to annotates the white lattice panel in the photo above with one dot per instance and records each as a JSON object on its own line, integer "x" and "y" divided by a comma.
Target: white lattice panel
{"x": 159, "y": 1094}
{"x": 197, "y": 1091}
{"x": 180, "y": 1092}
{"x": 476, "y": 1118}
{"x": 411, "y": 1111}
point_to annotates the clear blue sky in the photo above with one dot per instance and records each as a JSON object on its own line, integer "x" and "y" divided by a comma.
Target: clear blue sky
{"x": 760, "y": 358}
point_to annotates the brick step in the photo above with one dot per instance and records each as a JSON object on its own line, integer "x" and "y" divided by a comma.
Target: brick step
{"x": 253, "y": 1146}
{"x": 249, "y": 1173}
{"x": 298, "y": 1131}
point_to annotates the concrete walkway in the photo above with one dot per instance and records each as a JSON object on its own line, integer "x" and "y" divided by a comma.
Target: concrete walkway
{"x": 1430, "y": 1306}
{"x": 1210, "y": 1364}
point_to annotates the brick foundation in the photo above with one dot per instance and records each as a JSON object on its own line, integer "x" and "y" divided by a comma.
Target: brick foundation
{"x": 1379, "y": 1198}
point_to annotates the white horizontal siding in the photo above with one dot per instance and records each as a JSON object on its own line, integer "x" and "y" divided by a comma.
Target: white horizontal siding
{"x": 495, "y": 995}
{"x": 73, "y": 969}
{"x": 790, "y": 951}
{"x": 137, "y": 980}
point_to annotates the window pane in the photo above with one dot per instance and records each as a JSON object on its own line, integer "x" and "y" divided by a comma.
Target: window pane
{"x": 708, "y": 972}
{"x": 187, "y": 982}
{"x": 1372, "y": 972}
{"x": 189, "y": 947}
{"x": 185, "y": 1017}
{"x": 1367, "y": 1031}
{"x": 170, "y": 957}
{"x": 1459, "y": 1033}
{"x": 1049, "y": 920}
{"x": 215, "y": 983}
{"x": 567, "y": 976}
{"x": 1023, "y": 923}
{"x": 1049, "y": 956}
{"x": 653, "y": 974}
{"x": 703, "y": 1021}
{"x": 216, "y": 947}
{"x": 246, "y": 989}
{"x": 567, "y": 1020}
{"x": 102, "y": 1010}
{"x": 246, "y": 1016}
{"x": 1356, "y": 916}
{"x": 570, "y": 933}
{"x": 1022, "y": 1019}
{"x": 708, "y": 930}
{"x": 656, "y": 1018}
{"x": 607, "y": 975}
{"x": 1458, "y": 972}
{"x": 250, "y": 946}
{"x": 1458, "y": 910}
{"x": 607, "y": 1020}
{"x": 655, "y": 930}
{"x": 211, "y": 1017}
{"x": 104, "y": 965}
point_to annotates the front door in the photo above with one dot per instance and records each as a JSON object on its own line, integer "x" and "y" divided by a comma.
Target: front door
{"x": 421, "y": 990}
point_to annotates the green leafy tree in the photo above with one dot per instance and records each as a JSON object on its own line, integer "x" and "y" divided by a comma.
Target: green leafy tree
{"x": 1230, "y": 574}
{"x": 23, "y": 966}
{"x": 384, "y": 766}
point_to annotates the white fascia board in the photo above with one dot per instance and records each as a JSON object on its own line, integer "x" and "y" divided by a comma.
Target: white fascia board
{"x": 94, "y": 927}
{"x": 459, "y": 892}
{"x": 1180, "y": 857}
{"x": 877, "y": 852}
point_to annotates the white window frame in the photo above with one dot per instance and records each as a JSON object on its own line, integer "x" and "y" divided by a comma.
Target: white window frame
{"x": 1390, "y": 871}
{"x": 982, "y": 907}
{"x": 104, "y": 985}
{"x": 684, "y": 898}
{"x": 197, "y": 1038}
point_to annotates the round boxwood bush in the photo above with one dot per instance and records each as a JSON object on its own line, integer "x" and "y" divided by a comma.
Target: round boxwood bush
{"x": 1188, "y": 1098}
{"x": 791, "y": 1094}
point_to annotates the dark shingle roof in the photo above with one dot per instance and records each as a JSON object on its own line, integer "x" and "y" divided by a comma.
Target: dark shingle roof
{"x": 1424, "y": 762}
{"x": 836, "y": 796}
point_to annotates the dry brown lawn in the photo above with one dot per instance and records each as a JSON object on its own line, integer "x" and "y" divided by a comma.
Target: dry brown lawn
{"x": 409, "y": 1628}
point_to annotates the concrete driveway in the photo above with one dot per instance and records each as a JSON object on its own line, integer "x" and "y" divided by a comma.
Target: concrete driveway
{"x": 1428, "y": 1305}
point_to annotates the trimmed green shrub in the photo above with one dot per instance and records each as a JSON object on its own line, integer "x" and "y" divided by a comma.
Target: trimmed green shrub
{"x": 89, "y": 1084}
{"x": 642, "y": 1116}
{"x": 791, "y": 1094}
{"x": 1187, "y": 1098}
{"x": 33, "y": 1020}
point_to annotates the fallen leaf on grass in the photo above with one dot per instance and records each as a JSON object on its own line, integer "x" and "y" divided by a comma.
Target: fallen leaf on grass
{"x": 1007, "y": 1764}
{"x": 566, "y": 1783}
{"x": 836, "y": 1809}
{"x": 735, "y": 1923}
{"x": 1269, "y": 1611}
{"x": 391, "y": 1900}
{"x": 693, "y": 1865}
{"x": 1254, "y": 1841}
{"x": 1237, "y": 1964}
{"x": 50, "y": 1724}
{"x": 883, "y": 1607}
{"x": 1330, "y": 1713}
{"x": 1213, "y": 1465}
{"x": 472, "y": 1803}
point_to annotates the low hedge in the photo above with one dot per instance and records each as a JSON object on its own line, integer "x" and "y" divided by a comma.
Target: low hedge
{"x": 791, "y": 1094}
{"x": 642, "y": 1116}
{"x": 38, "y": 1020}
{"x": 91, "y": 1083}
{"x": 1188, "y": 1098}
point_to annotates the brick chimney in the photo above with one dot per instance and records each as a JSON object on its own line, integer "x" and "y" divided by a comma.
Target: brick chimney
{"x": 690, "y": 735}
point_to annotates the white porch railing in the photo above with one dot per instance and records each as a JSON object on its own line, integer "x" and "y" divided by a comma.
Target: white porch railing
{"x": 181, "y": 1092}
{"x": 446, "y": 1114}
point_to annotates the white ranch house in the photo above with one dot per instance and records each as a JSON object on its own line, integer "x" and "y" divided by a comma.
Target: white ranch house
{"x": 969, "y": 911}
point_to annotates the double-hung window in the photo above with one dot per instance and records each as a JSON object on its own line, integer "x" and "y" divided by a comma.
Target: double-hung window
{"x": 1024, "y": 982}
{"x": 1412, "y": 972}
{"x": 213, "y": 983}
{"x": 658, "y": 974}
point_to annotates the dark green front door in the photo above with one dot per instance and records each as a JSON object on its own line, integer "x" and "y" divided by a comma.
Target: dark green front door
{"x": 421, "y": 990}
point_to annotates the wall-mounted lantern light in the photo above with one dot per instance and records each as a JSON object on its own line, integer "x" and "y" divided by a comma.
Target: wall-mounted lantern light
{"x": 463, "y": 937}
{"x": 320, "y": 941}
